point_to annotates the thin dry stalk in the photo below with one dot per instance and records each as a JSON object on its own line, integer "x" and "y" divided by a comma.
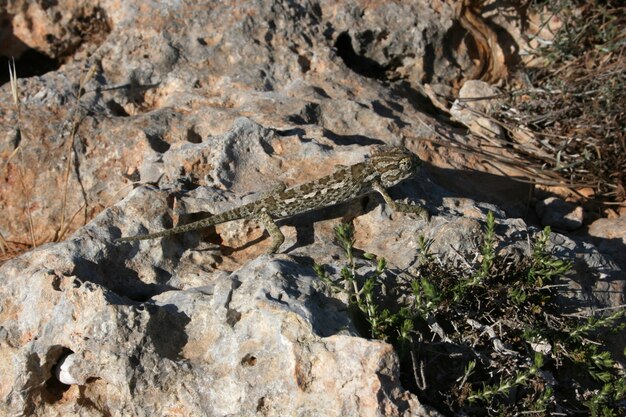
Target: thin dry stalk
{"x": 3, "y": 245}
{"x": 62, "y": 233}
{"x": 578, "y": 112}
{"x": 70, "y": 149}
{"x": 567, "y": 128}
{"x": 18, "y": 149}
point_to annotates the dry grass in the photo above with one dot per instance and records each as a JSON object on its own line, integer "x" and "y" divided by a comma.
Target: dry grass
{"x": 18, "y": 151}
{"x": 76, "y": 119}
{"x": 11, "y": 248}
{"x": 564, "y": 119}
{"x": 576, "y": 104}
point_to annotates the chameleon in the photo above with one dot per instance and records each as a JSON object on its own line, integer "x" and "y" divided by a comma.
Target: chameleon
{"x": 386, "y": 167}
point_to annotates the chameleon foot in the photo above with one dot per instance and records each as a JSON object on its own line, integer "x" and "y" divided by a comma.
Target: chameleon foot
{"x": 270, "y": 225}
{"x": 401, "y": 207}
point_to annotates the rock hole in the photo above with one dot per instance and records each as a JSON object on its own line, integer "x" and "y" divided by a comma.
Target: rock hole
{"x": 248, "y": 360}
{"x": 232, "y": 317}
{"x": 31, "y": 63}
{"x": 134, "y": 361}
{"x": 193, "y": 136}
{"x": 157, "y": 144}
{"x": 54, "y": 389}
{"x": 305, "y": 63}
{"x": 311, "y": 113}
{"x": 116, "y": 108}
{"x": 260, "y": 405}
{"x": 56, "y": 283}
{"x": 360, "y": 64}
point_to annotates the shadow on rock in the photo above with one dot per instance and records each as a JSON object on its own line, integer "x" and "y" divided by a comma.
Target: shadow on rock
{"x": 166, "y": 330}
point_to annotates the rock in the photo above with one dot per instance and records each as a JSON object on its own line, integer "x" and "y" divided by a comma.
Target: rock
{"x": 332, "y": 73}
{"x": 314, "y": 70}
{"x": 477, "y": 99}
{"x": 609, "y": 235}
{"x": 262, "y": 339}
{"x": 559, "y": 214}
{"x": 153, "y": 328}
{"x": 192, "y": 111}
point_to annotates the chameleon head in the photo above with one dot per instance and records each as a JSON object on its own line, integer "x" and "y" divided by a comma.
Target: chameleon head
{"x": 394, "y": 164}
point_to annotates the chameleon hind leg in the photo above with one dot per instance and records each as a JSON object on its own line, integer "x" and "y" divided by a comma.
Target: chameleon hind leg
{"x": 401, "y": 207}
{"x": 272, "y": 228}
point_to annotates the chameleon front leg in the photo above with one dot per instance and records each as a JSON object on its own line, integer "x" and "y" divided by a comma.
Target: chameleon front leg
{"x": 270, "y": 225}
{"x": 401, "y": 207}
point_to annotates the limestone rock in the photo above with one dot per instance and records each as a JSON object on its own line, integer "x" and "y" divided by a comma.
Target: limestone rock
{"x": 264, "y": 339}
{"x": 180, "y": 73}
{"x": 193, "y": 110}
{"x": 559, "y": 214}
{"x": 610, "y": 237}
{"x": 477, "y": 99}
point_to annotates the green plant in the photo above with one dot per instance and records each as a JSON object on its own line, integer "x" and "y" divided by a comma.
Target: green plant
{"x": 469, "y": 337}
{"x": 544, "y": 266}
{"x": 361, "y": 289}
{"x": 488, "y": 256}
{"x": 488, "y": 392}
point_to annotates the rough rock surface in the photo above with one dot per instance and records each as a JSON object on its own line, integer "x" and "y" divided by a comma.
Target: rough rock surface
{"x": 205, "y": 105}
{"x": 177, "y": 73}
{"x": 476, "y": 101}
{"x": 610, "y": 237}
{"x": 261, "y": 341}
{"x": 559, "y": 214}
{"x": 161, "y": 327}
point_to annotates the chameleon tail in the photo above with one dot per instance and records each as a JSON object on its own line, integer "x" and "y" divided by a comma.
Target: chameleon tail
{"x": 176, "y": 230}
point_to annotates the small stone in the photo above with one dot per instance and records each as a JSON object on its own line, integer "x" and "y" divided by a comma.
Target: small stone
{"x": 63, "y": 373}
{"x": 559, "y": 214}
{"x": 541, "y": 347}
{"x": 609, "y": 235}
{"x": 151, "y": 170}
{"x": 476, "y": 99}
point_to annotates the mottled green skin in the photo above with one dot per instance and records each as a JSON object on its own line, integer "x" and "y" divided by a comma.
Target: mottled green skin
{"x": 386, "y": 168}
